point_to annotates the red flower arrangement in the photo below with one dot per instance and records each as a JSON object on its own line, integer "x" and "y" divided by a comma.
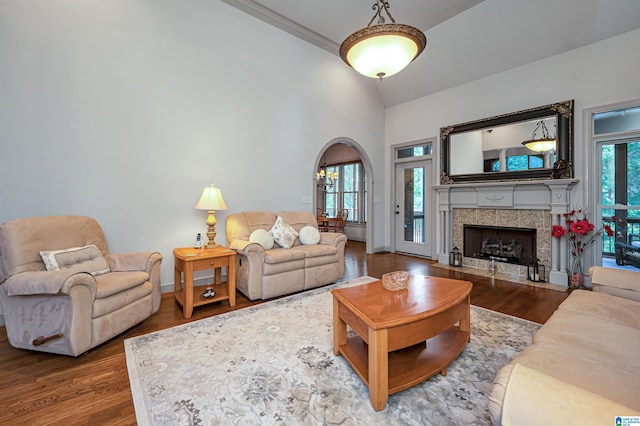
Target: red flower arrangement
{"x": 577, "y": 231}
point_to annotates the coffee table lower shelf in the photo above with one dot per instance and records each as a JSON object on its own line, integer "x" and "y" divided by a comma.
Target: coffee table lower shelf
{"x": 412, "y": 365}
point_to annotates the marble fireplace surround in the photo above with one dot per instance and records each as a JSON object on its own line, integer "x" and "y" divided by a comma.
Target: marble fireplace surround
{"x": 535, "y": 204}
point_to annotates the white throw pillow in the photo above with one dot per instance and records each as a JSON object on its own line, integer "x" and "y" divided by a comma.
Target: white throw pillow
{"x": 309, "y": 235}
{"x": 87, "y": 259}
{"x": 262, "y": 237}
{"x": 283, "y": 234}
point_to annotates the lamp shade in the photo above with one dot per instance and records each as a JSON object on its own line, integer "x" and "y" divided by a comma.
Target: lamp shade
{"x": 382, "y": 50}
{"x": 211, "y": 199}
{"x": 540, "y": 145}
{"x": 544, "y": 143}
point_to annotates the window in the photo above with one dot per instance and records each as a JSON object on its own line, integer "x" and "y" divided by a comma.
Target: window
{"x": 617, "y": 135}
{"x": 414, "y": 151}
{"x": 349, "y": 192}
{"x": 331, "y": 204}
{"x": 515, "y": 163}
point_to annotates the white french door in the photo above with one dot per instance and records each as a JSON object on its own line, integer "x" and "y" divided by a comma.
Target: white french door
{"x": 413, "y": 224}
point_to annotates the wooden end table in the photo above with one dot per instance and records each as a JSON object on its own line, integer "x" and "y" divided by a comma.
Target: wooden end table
{"x": 403, "y": 337}
{"x": 188, "y": 260}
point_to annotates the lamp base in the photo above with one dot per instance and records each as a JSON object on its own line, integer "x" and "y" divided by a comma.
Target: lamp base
{"x": 211, "y": 246}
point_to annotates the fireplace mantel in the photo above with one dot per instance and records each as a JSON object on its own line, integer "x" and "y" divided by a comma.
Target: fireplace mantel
{"x": 552, "y": 195}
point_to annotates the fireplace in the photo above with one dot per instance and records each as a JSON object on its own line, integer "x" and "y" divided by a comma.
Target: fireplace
{"x": 537, "y": 204}
{"x": 500, "y": 243}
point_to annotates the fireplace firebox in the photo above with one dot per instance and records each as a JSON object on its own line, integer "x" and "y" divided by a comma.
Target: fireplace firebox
{"x": 500, "y": 243}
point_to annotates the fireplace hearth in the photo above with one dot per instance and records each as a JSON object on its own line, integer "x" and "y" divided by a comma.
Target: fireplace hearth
{"x": 500, "y": 243}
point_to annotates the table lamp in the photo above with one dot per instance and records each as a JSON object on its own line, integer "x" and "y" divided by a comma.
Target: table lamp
{"x": 211, "y": 200}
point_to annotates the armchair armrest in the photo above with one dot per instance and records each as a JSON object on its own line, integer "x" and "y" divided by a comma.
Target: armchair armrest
{"x": 48, "y": 282}
{"x": 332, "y": 238}
{"x": 138, "y": 261}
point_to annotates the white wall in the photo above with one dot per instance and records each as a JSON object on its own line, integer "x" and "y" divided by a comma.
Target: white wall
{"x": 125, "y": 109}
{"x": 599, "y": 74}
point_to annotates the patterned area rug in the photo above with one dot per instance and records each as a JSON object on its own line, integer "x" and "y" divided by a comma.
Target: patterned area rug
{"x": 273, "y": 364}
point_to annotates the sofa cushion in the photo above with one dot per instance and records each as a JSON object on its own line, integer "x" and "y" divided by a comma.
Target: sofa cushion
{"x": 119, "y": 300}
{"x": 534, "y": 398}
{"x": 280, "y": 255}
{"x": 83, "y": 259}
{"x": 590, "y": 337}
{"x": 626, "y": 312}
{"x": 241, "y": 225}
{"x": 116, "y": 282}
{"x": 283, "y": 234}
{"x": 262, "y": 237}
{"x": 592, "y": 375}
{"x": 21, "y": 240}
{"x": 309, "y": 235}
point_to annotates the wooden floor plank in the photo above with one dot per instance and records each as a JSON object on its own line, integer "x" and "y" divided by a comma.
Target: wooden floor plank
{"x": 39, "y": 388}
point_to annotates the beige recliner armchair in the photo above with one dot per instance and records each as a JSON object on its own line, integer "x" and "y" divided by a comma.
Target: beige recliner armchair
{"x": 62, "y": 292}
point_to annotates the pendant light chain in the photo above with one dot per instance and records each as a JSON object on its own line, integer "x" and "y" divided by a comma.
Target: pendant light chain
{"x": 379, "y": 6}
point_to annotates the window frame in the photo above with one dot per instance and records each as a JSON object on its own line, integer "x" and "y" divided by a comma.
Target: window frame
{"x": 357, "y": 214}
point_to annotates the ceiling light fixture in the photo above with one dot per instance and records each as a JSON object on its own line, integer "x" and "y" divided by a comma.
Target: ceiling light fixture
{"x": 325, "y": 179}
{"x": 382, "y": 50}
{"x": 541, "y": 144}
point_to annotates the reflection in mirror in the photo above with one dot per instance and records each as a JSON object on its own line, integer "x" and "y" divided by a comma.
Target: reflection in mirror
{"x": 500, "y": 149}
{"x": 494, "y": 148}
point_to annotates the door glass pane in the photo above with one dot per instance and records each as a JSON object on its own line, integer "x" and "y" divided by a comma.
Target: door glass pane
{"x": 620, "y": 188}
{"x": 413, "y": 205}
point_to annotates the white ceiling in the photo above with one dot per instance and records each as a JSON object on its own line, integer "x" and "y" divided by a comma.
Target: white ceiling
{"x": 466, "y": 39}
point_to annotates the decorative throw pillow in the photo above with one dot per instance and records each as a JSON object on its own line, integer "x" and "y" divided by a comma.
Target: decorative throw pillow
{"x": 283, "y": 234}
{"x": 87, "y": 259}
{"x": 309, "y": 235}
{"x": 262, "y": 237}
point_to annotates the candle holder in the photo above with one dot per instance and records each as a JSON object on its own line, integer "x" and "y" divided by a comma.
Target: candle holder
{"x": 455, "y": 257}
{"x": 536, "y": 271}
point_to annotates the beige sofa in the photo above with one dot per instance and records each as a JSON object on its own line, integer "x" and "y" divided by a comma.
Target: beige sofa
{"x": 263, "y": 274}
{"x": 584, "y": 365}
{"x": 87, "y": 298}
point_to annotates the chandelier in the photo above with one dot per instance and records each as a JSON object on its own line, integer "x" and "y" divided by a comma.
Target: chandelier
{"x": 325, "y": 179}
{"x": 382, "y": 50}
{"x": 540, "y": 144}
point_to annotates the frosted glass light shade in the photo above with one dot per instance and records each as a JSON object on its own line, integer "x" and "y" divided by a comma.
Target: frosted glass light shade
{"x": 382, "y": 50}
{"x": 540, "y": 145}
{"x": 211, "y": 199}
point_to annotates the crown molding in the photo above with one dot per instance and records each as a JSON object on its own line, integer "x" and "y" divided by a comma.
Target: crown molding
{"x": 273, "y": 18}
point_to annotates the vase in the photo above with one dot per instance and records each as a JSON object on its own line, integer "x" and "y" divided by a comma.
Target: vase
{"x": 576, "y": 278}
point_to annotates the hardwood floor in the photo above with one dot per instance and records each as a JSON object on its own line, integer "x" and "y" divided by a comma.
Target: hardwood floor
{"x": 39, "y": 388}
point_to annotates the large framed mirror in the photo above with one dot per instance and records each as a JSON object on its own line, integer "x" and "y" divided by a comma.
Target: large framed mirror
{"x": 492, "y": 149}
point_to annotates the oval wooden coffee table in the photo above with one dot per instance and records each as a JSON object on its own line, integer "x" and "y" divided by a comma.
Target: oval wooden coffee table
{"x": 401, "y": 337}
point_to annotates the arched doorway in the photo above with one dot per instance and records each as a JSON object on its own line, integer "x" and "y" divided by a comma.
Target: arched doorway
{"x": 340, "y": 154}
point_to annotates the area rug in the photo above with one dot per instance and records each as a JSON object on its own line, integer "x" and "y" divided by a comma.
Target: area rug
{"x": 273, "y": 364}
